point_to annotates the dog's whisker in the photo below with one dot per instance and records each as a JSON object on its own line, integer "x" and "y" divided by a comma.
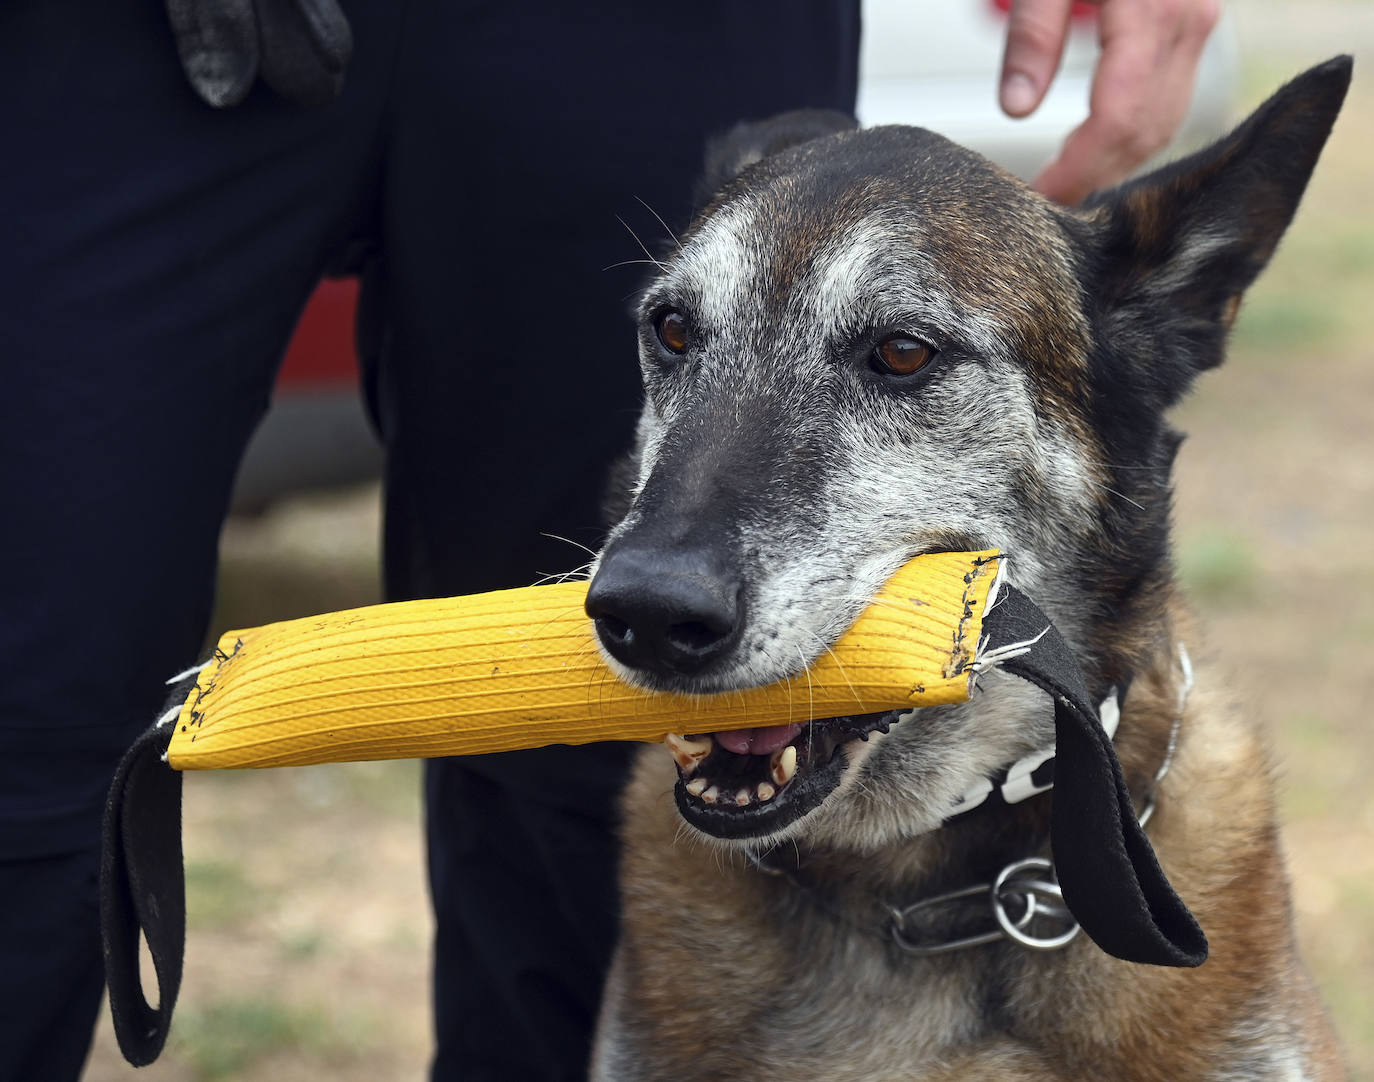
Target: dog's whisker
{"x": 656, "y": 262}
{"x": 869, "y": 602}
{"x": 1119, "y": 465}
{"x": 576, "y": 573}
{"x": 1114, "y": 492}
{"x": 568, "y": 540}
{"x": 839, "y": 665}
{"x": 634, "y": 263}
{"x": 666, "y": 229}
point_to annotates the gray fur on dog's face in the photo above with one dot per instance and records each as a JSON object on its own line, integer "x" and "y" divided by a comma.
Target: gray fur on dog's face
{"x": 820, "y": 476}
{"x": 824, "y": 475}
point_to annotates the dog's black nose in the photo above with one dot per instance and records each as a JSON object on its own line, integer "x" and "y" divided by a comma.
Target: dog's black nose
{"x": 664, "y": 612}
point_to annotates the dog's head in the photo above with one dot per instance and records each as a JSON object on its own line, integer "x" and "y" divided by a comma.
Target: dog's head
{"x": 872, "y": 344}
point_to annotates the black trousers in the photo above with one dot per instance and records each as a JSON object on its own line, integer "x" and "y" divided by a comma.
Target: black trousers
{"x": 154, "y": 254}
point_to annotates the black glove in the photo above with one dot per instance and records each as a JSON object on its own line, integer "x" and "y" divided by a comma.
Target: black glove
{"x": 299, "y": 47}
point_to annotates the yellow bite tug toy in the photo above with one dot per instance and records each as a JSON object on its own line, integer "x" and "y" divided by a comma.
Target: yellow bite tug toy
{"x": 520, "y": 669}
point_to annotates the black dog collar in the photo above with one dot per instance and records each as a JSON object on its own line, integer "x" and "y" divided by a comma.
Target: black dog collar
{"x": 1032, "y": 774}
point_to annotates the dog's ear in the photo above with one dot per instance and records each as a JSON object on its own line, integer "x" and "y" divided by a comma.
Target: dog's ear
{"x": 729, "y": 155}
{"x": 1178, "y": 248}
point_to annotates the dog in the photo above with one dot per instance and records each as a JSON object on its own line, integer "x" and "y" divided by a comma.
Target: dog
{"x": 868, "y": 345}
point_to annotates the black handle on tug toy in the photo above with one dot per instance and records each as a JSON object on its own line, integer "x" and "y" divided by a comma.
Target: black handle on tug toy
{"x": 143, "y": 889}
{"x": 1107, "y": 869}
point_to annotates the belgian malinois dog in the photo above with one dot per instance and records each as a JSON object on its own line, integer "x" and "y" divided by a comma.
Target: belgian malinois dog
{"x": 869, "y": 345}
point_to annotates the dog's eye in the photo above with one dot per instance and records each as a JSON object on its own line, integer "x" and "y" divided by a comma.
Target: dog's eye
{"x": 901, "y": 356}
{"x": 671, "y": 328}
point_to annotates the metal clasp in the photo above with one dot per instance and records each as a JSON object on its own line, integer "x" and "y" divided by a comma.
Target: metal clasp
{"x": 1014, "y": 880}
{"x": 1028, "y": 884}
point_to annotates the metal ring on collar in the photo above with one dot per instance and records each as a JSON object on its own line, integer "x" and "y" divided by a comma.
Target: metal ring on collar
{"x": 901, "y": 915}
{"x": 1011, "y": 881}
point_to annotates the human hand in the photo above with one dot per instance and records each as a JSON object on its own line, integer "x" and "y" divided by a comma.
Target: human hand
{"x": 1140, "y": 91}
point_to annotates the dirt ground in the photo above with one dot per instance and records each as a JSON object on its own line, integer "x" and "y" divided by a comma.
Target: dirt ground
{"x": 309, "y": 928}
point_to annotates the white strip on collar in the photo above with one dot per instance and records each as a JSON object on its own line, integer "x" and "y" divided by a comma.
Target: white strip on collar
{"x": 1018, "y": 782}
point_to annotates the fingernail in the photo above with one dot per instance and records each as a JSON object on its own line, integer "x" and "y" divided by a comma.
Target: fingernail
{"x": 1018, "y": 93}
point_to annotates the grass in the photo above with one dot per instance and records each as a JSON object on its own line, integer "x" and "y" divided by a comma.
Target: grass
{"x": 390, "y": 788}
{"x": 1314, "y": 298}
{"x": 1281, "y": 324}
{"x": 1217, "y": 566}
{"x": 218, "y": 892}
{"x": 233, "y": 1037}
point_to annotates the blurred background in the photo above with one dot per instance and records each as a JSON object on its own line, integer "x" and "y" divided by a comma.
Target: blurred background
{"x": 307, "y": 954}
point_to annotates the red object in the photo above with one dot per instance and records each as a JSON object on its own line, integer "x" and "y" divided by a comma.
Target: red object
{"x": 1081, "y": 10}
{"x": 322, "y": 352}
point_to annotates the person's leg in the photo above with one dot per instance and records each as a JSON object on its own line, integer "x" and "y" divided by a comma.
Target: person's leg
{"x": 53, "y": 973}
{"x": 507, "y": 384}
{"x": 153, "y": 257}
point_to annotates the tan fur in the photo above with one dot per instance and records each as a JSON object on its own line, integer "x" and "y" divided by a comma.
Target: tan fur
{"x": 732, "y": 972}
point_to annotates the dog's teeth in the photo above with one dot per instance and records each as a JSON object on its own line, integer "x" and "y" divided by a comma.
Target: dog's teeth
{"x": 784, "y": 765}
{"x": 711, "y": 795}
{"x": 743, "y": 797}
{"x": 766, "y": 791}
{"x": 697, "y": 786}
{"x": 688, "y": 754}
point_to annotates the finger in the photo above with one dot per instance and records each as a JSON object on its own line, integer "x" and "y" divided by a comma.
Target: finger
{"x": 1141, "y": 92}
{"x": 1036, "y": 32}
{"x": 1119, "y": 128}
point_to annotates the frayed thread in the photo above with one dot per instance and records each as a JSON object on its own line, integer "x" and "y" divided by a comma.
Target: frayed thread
{"x": 192, "y": 671}
{"x": 1002, "y": 654}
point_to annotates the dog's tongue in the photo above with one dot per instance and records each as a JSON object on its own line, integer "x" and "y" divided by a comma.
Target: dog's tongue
{"x": 762, "y": 741}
